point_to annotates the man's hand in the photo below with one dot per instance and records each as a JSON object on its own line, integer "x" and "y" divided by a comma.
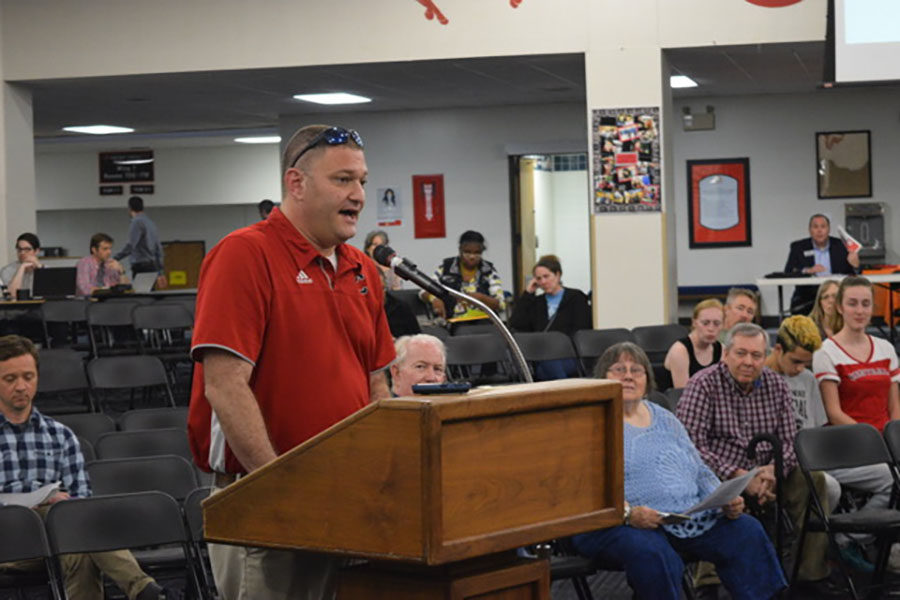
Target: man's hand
{"x": 161, "y": 282}
{"x": 115, "y": 265}
{"x": 643, "y": 517}
{"x": 815, "y": 269}
{"x": 853, "y": 259}
{"x": 439, "y": 309}
{"x": 735, "y": 508}
{"x": 762, "y": 486}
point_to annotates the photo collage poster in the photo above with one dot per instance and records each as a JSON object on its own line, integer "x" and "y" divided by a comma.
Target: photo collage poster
{"x": 626, "y": 160}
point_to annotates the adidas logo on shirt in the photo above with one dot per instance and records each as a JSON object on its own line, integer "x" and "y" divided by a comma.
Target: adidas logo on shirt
{"x": 302, "y": 277}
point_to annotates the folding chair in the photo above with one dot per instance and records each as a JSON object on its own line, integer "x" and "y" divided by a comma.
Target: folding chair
{"x": 109, "y": 328}
{"x": 193, "y": 514}
{"x": 87, "y": 450}
{"x": 124, "y": 521}
{"x": 70, "y": 315}
{"x": 146, "y": 442}
{"x": 656, "y": 340}
{"x": 116, "y": 374}
{"x": 468, "y": 354}
{"x": 24, "y": 538}
{"x": 166, "y": 473}
{"x": 64, "y": 382}
{"x": 412, "y": 299}
{"x": 592, "y": 343}
{"x": 840, "y": 447}
{"x": 546, "y": 345}
{"x": 154, "y": 418}
{"x": 89, "y": 426}
{"x": 439, "y": 332}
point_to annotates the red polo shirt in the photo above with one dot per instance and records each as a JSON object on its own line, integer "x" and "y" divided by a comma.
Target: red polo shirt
{"x": 312, "y": 335}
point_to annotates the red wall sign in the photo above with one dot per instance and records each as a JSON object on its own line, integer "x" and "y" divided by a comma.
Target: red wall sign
{"x": 428, "y": 206}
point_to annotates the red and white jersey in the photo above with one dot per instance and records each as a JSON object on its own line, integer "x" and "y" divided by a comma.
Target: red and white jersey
{"x": 863, "y": 386}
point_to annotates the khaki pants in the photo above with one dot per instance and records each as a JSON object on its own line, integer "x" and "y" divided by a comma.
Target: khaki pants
{"x": 247, "y": 573}
{"x": 813, "y": 565}
{"x": 83, "y": 573}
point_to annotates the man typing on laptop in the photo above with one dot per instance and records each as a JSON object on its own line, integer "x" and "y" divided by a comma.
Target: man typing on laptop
{"x": 99, "y": 270}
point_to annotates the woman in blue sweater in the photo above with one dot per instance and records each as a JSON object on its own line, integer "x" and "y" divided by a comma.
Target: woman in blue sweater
{"x": 665, "y": 474}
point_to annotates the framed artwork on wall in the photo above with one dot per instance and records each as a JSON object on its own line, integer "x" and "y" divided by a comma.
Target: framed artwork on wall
{"x": 719, "y": 202}
{"x": 843, "y": 164}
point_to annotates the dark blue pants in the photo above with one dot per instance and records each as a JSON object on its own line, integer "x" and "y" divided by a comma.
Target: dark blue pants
{"x": 549, "y": 370}
{"x": 740, "y": 550}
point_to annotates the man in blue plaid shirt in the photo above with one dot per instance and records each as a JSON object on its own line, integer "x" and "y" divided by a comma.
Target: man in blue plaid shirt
{"x": 36, "y": 450}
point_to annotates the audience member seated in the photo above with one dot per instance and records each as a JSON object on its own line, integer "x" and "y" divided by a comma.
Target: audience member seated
{"x": 700, "y": 349}
{"x": 373, "y": 240}
{"x": 726, "y": 406}
{"x": 645, "y": 546}
{"x": 820, "y": 255}
{"x": 265, "y": 208}
{"x": 99, "y": 270}
{"x": 858, "y": 374}
{"x": 19, "y": 275}
{"x": 798, "y": 338}
{"x": 823, "y": 311}
{"x": 556, "y": 308}
{"x": 38, "y": 450}
{"x": 471, "y": 274}
{"x": 420, "y": 358}
{"x": 741, "y": 305}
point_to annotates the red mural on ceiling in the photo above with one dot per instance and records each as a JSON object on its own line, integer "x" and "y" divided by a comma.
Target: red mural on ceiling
{"x": 432, "y": 11}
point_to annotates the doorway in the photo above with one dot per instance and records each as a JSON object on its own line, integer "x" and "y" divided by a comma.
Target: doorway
{"x": 550, "y": 213}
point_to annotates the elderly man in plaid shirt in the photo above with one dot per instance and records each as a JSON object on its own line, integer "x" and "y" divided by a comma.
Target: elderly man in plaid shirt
{"x": 724, "y": 406}
{"x": 35, "y": 451}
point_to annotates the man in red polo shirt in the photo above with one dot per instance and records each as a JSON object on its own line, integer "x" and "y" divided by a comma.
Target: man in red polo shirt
{"x": 290, "y": 337}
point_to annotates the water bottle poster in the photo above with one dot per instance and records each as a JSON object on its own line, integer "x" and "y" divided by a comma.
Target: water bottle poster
{"x": 428, "y": 206}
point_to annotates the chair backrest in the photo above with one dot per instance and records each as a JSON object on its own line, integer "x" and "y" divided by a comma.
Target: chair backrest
{"x": 674, "y": 395}
{"x": 439, "y": 332}
{"x": 193, "y": 512}
{"x": 592, "y": 343}
{"x": 123, "y": 521}
{"x": 658, "y": 338}
{"x": 23, "y": 535}
{"x": 89, "y": 426}
{"x": 61, "y": 372}
{"x": 109, "y": 314}
{"x": 154, "y": 418}
{"x": 411, "y": 299}
{"x": 122, "y": 372}
{"x": 64, "y": 311}
{"x": 147, "y": 442}
{"x": 475, "y": 349}
{"x": 545, "y": 345}
{"x": 162, "y": 315}
{"x": 892, "y": 440}
{"x": 479, "y": 329}
{"x": 662, "y": 400}
{"x": 87, "y": 449}
{"x": 840, "y": 447}
{"x": 167, "y": 473}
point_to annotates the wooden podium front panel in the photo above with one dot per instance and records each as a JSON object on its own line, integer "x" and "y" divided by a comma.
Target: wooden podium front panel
{"x": 508, "y": 473}
{"x": 355, "y": 491}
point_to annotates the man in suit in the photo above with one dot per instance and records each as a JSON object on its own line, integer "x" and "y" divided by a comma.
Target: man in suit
{"x": 820, "y": 255}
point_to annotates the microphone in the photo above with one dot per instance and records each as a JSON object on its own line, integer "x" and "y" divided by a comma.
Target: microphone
{"x": 406, "y": 269}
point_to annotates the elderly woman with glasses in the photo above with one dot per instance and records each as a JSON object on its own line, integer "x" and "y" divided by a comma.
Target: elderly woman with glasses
{"x": 665, "y": 474}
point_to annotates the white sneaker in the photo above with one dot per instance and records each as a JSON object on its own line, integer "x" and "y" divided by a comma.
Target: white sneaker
{"x": 894, "y": 559}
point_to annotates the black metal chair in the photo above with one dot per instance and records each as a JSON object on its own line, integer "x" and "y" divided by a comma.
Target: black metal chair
{"x": 24, "y": 538}
{"x": 63, "y": 385}
{"x": 469, "y": 355}
{"x": 125, "y": 521}
{"x": 545, "y": 345}
{"x": 841, "y": 447}
{"x": 145, "y": 442}
{"x": 655, "y": 340}
{"x": 193, "y": 514}
{"x": 64, "y": 315}
{"x": 154, "y": 418}
{"x": 165, "y": 473}
{"x": 87, "y": 450}
{"x": 89, "y": 426}
{"x": 412, "y": 299}
{"x": 673, "y": 395}
{"x": 592, "y": 343}
{"x": 481, "y": 327}
{"x": 439, "y": 332}
{"x": 114, "y": 375}
{"x": 110, "y": 329}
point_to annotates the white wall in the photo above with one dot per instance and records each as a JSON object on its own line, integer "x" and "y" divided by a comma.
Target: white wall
{"x": 469, "y": 147}
{"x": 777, "y": 134}
{"x": 571, "y": 198}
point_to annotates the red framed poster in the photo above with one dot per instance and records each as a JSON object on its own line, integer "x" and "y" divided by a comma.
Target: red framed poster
{"x": 719, "y": 202}
{"x": 428, "y": 206}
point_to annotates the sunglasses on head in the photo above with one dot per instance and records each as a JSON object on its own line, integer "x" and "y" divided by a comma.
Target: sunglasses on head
{"x": 333, "y": 136}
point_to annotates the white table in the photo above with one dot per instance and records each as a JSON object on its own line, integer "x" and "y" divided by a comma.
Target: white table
{"x": 887, "y": 281}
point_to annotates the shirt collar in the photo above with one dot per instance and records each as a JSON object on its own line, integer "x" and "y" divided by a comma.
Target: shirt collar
{"x": 308, "y": 253}
{"x": 822, "y": 248}
{"x": 34, "y": 420}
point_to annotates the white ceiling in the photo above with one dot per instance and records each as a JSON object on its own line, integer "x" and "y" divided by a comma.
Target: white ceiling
{"x": 176, "y": 104}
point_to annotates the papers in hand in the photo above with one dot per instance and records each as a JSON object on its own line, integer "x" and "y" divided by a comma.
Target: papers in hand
{"x": 30, "y": 499}
{"x": 725, "y": 493}
{"x": 849, "y": 242}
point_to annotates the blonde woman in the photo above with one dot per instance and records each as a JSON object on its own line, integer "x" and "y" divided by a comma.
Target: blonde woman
{"x": 823, "y": 313}
{"x": 701, "y": 347}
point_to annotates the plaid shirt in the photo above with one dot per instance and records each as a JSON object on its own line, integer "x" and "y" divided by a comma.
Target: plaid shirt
{"x": 722, "y": 419}
{"x": 38, "y": 452}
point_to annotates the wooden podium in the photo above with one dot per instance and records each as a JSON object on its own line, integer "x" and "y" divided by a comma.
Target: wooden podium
{"x": 434, "y": 489}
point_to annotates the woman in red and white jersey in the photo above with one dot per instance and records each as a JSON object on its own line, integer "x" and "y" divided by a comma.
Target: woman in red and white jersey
{"x": 858, "y": 374}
